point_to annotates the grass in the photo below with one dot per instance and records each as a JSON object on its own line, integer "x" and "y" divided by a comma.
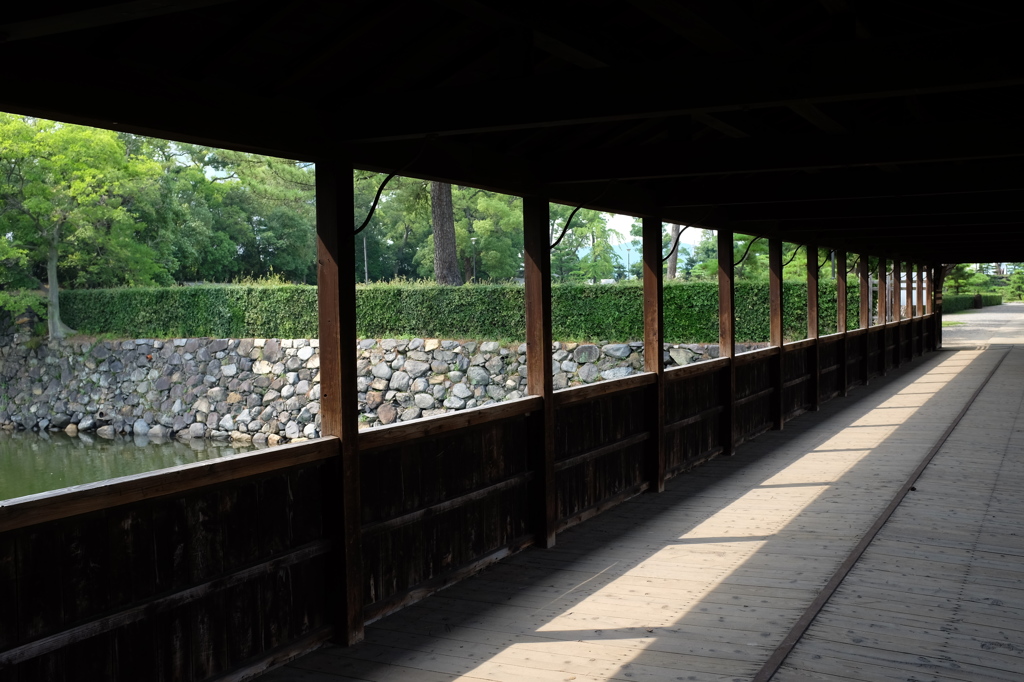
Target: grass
{"x": 952, "y": 323}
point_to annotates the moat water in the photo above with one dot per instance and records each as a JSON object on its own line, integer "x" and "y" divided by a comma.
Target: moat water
{"x": 37, "y": 462}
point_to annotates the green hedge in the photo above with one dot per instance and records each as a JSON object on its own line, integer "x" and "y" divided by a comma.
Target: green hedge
{"x": 954, "y": 303}
{"x": 217, "y": 311}
{"x": 609, "y": 312}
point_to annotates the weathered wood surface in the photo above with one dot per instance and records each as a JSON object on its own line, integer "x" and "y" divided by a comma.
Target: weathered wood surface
{"x": 599, "y": 450}
{"x": 699, "y": 582}
{"x": 90, "y": 497}
{"x": 185, "y": 585}
{"x": 435, "y": 505}
{"x": 938, "y": 594}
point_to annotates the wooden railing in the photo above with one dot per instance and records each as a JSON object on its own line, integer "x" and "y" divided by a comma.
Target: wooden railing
{"x": 185, "y": 573}
{"x": 231, "y": 564}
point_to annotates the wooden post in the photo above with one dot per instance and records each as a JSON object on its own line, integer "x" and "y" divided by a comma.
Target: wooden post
{"x": 865, "y": 313}
{"x": 937, "y": 283}
{"x": 339, "y": 409}
{"x": 911, "y": 335}
{"x": 727, "y": 338}
{"x": 920, "y": 291}
{"x": 654, "y": 352}
{"x": 929, "y": 304}
{"x": 897, "y": 315}
{"x": 812, "y": 324}
{"x": 538, "y": 364}
{"x": 841, "y": 322}
{"x": 776, "y": 332}
{"x": 883, "y": 310}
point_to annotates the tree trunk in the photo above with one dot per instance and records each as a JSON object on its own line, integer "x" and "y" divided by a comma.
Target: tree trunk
{"x": 673, "y": 258}
{"x": 56, "y": 328}
{"x": 446, "y": 262}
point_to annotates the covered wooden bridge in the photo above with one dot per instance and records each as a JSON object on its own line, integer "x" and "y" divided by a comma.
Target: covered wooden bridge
{"x": 887, "y": 130}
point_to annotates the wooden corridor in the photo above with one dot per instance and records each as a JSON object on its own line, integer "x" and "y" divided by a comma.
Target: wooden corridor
{"x": 704, "y": 581}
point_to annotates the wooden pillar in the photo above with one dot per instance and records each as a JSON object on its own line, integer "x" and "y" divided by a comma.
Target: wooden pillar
{"x": 908, "y": 269}
{"x": 537, "y": 266}
{"x": 841, "y": 322}
{"x": 883, "y": 311}
{"x": 929, "y": 303}
{"x": 937, "y": 282}
{"x": 897, "y": 315}
{"x": 727, "y": 339}
{"x": 339, "y": 409}
{"x": 776, "y": 331}
{"x": 865, "y": 314}
{"x": 922, "y": 305}
{"x": 813, "y": 324}
{"x": 654, "y": 352}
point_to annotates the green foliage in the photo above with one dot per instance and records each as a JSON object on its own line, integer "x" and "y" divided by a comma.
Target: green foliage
{"x": 1017, "y": 284}
{"x": 579, "y": 311}
{"x": 953, "y": 303}
{"x": 213, "y": 310}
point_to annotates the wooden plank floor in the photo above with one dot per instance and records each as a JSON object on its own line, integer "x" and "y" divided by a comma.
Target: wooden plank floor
{"x": 703, "y": 581}
{"x": 939, "y": 594}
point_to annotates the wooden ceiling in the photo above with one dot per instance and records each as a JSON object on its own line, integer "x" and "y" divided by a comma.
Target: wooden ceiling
{"x": 885, "y": 127}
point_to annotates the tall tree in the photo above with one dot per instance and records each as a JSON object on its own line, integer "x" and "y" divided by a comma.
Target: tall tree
{"x": 446, "y": 260}
{"x": 62, "y": 192}
{"x": 673, "y": 256}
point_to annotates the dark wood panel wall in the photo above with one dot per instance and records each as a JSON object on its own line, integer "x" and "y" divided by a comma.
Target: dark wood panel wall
{"x": 234, "y": 566}
{"x": 121, "y": 582}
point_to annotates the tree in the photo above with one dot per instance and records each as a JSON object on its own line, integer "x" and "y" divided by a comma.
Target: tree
{"x": 1017, "y": 284}
{"x": 62, "y": 189}
{"x": 446, "y": 263}
{"x": 958, "y": 276}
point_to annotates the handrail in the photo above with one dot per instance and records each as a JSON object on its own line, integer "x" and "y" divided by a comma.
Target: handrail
{"x": 797, "y": 345}
{"x": 755, "y": 355}
{"x": 696, "y": 369}
{"x": 579, "y": 394}
{"x": 52, "y": 505}
{"x": 387, "y": 436}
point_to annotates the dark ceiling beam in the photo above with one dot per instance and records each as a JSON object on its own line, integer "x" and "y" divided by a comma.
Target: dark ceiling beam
{"x": 818, "y": 118}
{"x": 542, "y": 39}
{"x": 97, "y": 17}
{"x": 841, "y": 185}
{"x": 818, "y": 75}
{"x": 879, "y": 207}
{"x": 689, "y": 26}
{"x": 719, "y": 125}
{"x": 756, "y": 155}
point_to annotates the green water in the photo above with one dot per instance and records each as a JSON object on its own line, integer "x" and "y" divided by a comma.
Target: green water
{"x": 33, "y": 463}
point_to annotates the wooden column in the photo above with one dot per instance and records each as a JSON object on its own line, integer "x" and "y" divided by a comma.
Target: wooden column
{"x": 339, "y": 408}
{"x": 841, "y": 321}
{"x": 776, "y": 332}
{"x": 727, "y": 339}
{"x": 865, "y": 313}
{"x": 921, "y": 291}
{"x": 929, "y": 303}
{"x": 537, "y": 265}
{"x": 883, "y": 310}
{"x": 937, "y": 282}
{"x": 897, "y": 314}
{"x": 654, "y": 352}
{"x": 908, "y": 269}
{"x": 812, "y": 324}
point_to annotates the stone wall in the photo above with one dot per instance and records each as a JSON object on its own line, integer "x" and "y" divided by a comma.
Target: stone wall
{"x": 268, "y": 390}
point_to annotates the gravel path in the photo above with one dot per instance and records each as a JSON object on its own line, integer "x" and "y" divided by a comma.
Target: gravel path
{"x": 996, "y": 325}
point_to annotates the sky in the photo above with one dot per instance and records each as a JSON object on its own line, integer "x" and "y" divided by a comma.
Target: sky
{"x": 621, "y": 225}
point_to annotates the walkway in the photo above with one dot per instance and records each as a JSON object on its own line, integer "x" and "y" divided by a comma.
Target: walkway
{"x": 707, "y": 580}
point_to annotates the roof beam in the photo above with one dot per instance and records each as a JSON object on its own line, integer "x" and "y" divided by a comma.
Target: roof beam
{"x": 96, "y": 17}
{"x": 755, "y": 155}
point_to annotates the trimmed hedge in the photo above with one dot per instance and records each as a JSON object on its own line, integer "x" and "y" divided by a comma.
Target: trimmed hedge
{"x": 954, "y": 303}
{"x": 217, "y": 311}
{"x": 579, "y": 311}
